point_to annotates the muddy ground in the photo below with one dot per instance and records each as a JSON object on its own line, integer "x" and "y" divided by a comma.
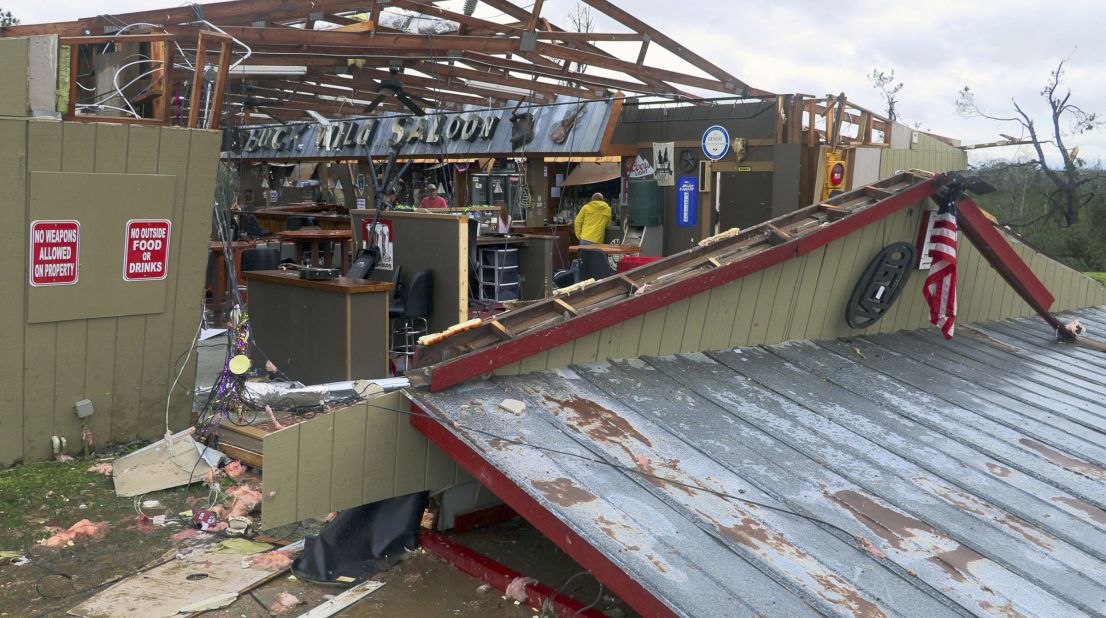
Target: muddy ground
{"x": 35, "y": 497}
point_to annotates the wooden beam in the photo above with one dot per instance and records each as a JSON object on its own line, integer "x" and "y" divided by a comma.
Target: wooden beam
{"x": 729, "y": 82}
{"x": 535, "y": 16}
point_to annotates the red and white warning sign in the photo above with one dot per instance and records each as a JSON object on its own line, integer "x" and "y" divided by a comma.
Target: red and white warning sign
{"x": 146, "y": 255}
{"x": 55, "y": 252}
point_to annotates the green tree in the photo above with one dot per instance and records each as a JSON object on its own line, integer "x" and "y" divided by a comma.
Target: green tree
{"x": 1071, "y": 188}
{"x": 7, "y": 19}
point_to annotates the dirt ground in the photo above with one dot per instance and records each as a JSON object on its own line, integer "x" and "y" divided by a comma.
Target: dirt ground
{"x": 35, "y": 497}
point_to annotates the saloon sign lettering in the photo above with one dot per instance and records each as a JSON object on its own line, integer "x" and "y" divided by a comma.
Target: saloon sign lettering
{"x": 353, "y": 134}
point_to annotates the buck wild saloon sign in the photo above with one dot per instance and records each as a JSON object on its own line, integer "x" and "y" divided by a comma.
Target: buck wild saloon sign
{"x": 468, "y": 133}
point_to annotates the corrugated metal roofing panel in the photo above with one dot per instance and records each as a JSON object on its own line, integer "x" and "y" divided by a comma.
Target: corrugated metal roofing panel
{"x": 882, "y": 475}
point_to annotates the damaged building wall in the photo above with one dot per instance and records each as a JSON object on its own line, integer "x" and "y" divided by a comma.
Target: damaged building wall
{"x": 913, "y": 149}
{"x": 805, "y": 298}
{"x": 115, "y": 343}
{"x": 353, "y": 456}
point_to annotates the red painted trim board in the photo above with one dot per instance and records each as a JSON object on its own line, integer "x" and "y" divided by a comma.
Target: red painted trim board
{"x": 499, "y": 576}
{"x": 451, "y": 372}
{"x": 1002, "y": 257}
{"x": 626, "y": 587}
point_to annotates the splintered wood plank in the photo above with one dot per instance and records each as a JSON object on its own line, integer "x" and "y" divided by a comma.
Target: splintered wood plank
{"x": 349, "y": 597}
{"x": 348, "y": 458}
{"x": 280, "y": 477}
{"x": 315, "y": 474}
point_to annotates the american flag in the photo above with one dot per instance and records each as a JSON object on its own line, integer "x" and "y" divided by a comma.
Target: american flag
{"x": 940, "y": 286}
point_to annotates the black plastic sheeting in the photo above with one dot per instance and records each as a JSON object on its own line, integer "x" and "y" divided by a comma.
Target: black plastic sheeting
{"x": 363, "y": 541}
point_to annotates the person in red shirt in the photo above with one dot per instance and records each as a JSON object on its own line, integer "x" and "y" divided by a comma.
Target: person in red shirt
{"x": 433, "y": 200}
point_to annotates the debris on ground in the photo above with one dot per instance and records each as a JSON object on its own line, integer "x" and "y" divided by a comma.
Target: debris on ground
{"x": 244, "y": 547}
{"x": 516, "y": 590}
{"x": 244, "y": 500}
{"x": 284, "y": 602}
{"x": 63, "y": 458}
{"x": 234, "y": 469}
{"x": 484, "y": 588}
{"x": 101, "y": 468}
{"x": 79, "y": 529}
{"x": 514, "y": 406}
{"x": 187, "y": 533}
{"x": 349, "y": 597}
{"x": 271, "y": 561}
{"x": 170, "y": 462}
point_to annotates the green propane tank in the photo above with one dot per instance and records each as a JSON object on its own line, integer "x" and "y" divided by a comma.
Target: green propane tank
{"x": 645, "y": 202}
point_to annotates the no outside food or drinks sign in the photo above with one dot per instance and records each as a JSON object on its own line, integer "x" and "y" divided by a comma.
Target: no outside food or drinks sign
{"x": 146, "y": 254}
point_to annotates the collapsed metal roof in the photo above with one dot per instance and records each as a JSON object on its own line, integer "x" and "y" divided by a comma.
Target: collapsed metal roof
{"x": 886, "y": 475}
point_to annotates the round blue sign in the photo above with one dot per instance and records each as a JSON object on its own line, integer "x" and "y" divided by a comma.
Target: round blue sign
{"x": 716, "y": 142}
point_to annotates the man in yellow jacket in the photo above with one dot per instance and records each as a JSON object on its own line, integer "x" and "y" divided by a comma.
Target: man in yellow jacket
{"x": 592, "y": 220}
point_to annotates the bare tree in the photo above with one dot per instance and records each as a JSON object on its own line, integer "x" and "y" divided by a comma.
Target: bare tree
{"x": 582, "y": 20}
{"x": 1072, "y": 189}
{"x": 7, "y": 19}
{"x": 885, "y": 83}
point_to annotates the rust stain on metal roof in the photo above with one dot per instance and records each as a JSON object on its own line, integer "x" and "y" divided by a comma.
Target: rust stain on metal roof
{"x": 894, "y": 527}
{"x": 1029, "y": 531}
{"x": 1066, "y": 461}
{"x": 1006, "y": 610}
{"x": 611, "y": 529}
{"x": 849, "y": 596}
{"x": 563, "y": 492}
{"x": 998, "y": 470}
{"x": 1091, "y": 510}
{"x": 599, "y": 422}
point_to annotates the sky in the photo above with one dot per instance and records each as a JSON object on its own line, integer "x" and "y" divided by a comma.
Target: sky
{"x": 1002, "y": 50}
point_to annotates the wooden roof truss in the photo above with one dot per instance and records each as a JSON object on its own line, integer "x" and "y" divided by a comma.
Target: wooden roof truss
{"x": 335, "y": 53}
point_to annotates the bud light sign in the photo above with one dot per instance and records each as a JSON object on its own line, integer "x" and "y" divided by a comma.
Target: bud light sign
{"x": 687, "y": 201}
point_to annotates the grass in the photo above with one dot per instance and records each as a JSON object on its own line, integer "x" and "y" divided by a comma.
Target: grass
{"x": 1099, "y": 277}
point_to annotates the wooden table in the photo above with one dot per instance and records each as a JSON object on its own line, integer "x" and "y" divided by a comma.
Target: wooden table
{"x": 605, "y": 249}
{"x": 219, "y": 285}
{"x": 320, "y": 331}
{"x": 320, "y": 239}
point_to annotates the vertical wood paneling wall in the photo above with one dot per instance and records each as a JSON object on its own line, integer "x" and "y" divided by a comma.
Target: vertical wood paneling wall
{"x": 804, "y": 298}
{"x": 353, "y": 456}
{"x": 929, "y": 154}
{"x": 123, "y": 364}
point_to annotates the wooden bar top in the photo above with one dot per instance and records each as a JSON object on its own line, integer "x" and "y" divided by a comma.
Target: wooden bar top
{"x": 317, "y": 235}
{"x": 341, "y": 285}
